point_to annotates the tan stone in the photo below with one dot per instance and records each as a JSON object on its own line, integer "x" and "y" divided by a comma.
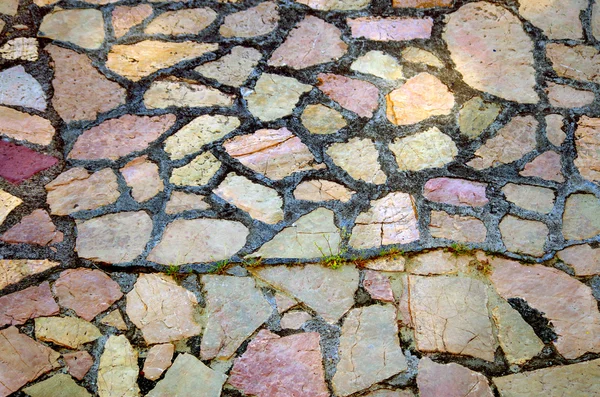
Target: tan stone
{"x": 14, "y": 270}
{"x": 466, "y": 229}
{"x": 56, "y": 386}
{"x": 380, "y": 64}
{"x": 8, "y": 202}
{"x": 579, "y": 62}
{"x": 9, "y": 7}
{"x": 251, "y": 22}
{"x": 114, "y": 319}
{"x": 20, "y": 48}
{"x": 546, "y": 166}
{"x": 438, "y": 261}
{"x": 387, "y": 264}
{"x": 558, "y": 19}
{"x": 378, "y": 286}
{"x": 450, "y": 380}
{"x": 565, "y": 96}
{"x": 174, "y": 92}
{"x": 275, "y": 96}
{"x": 427, "y": 149}
{"x": 65, "y": 331}
{"x": 143, "y": 177}
{"x": 554, "y": 132}
{"x": 32, "y": 302}
{"x": 584, "y": 259}
{"x": 82, "y": 27}
{"x": 35, "y": 228}
{"x": 358, "y": 96}
{"x": 523, "y": 236}
{"x": 197, "y": 172}
{"x": 181, "y": 201}
{"x": 322, "y": 190}
{"x": 422, "y": 3}
{"x": 476, "y": 115}
{"x": 581, "y": 219}
{"x": 595, "y": 20}
{"x": 189, "y": 21}
{"x": 294, "y": 319}
{"x": 234, "y": 68}
{"x": 25, "y": 127}
{"x": 359, "y": 158}
{"x": 126, "y": 17}
{"x": 78, "y": 363}
{"x": 401, "y": 290}
{"x": 158, "y": 360}
{"x": 532, "y": 198}
{"x": 19, "y": 88}
{"x": 587, "y": 142}
{"x": 320, "y": 119}
{"x": 456, "y": 192}
{"x": 118, "y": 370}
{"x": 390, "y": 29}
{"x": 342, "y": 5}
{"x": 417, "y": 55}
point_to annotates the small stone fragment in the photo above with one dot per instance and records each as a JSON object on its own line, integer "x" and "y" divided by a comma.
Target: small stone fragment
{"x": 173, "y": 92}
{"x": 455, "y": 191}
{"x": 587, "y": 142}
{"x": 523, "y": 236}
{"x": 450, "y": 380}
{"x": 143, "y": 177}
{"x": 581, "y": 219}
{"x": 401, "y": 289}
{"x": 126, "y": 17}
{"x": 320, "y": 119}
{"x": 378, "y": 64}
{"x": 71, "y": 332}
{"x": 532, "y": 198}
{"x": 78, "y": 363}
{"x": 20, "y": 48}
{"x": 387, "y": 264}
{"x": 564, "y": 96}
{"x": 476, "y": 115}
{"x": 426, "y": 149}
{"x": 417, "y": 55}
{"x": 25, "y": 127}
{"x": 252, "y": 22}
{"x": 181, "y": 201}
{"x": 275, "y": 96}
{"x": 19, "y": 88}
{"x": 546, "y": 166}
{"x": 558, "y": 20}
{"x": 113, "y": 238}
{"x": 197, "y": 172}
{"x": 158, "y": 360}
{"x": 359, "y": 158}
{"x": 9, "y": 7}
{"x": 8, "y": 202}
{"x": 341, "y": 5}
{"x": 234, "y": 68}
{"x": 284, "y": 302}
{"x": 378, "y": 286}
{"x": 118, "y": 370}
{"x": 579, "y": 62}
{"x": 466, "y": 229}
{"x": 189, "y": 21}
{"x": 18, "y": 163}
{"x": 355, "y": 95}
{"x": 32, "y": 302}
{"x": 14, "y": 270}
{"x": 390, "y": 29}
{"x": 57, "y": 386}
{"x": 422, "y": 3}
{"x": 82, "y": 27}
{"x": 554, "y": 132}
{"x": 35, "y": 228}
{"x": 583, "y": 258}
{"x": 294, "y": 319}
{"x": 114, "y": 319}
{"x": 322, "y": 190}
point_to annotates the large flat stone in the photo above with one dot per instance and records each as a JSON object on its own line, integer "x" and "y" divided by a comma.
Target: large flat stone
{"x": 189, "y": 21}
{"x": 456, "y": 192}
{"x": 176, "y": 92}
{"x": 126, "y": 17}
{"x": 380, "y": 64}
{"x": 118, "y": 370}
{"x": 466, "y": 229}
{"x": 581, "y": 219}
{"x": 158, "y": 360}
{"x": 8, "y": 202}
{"x": 181, "y": 201}
{"x": 70, "y": 332}
{"x": 554, "y": 129}
{"x": 57, "y": 386}
{"x": 32, "y": 302}
{"x": 565, "y": 96}
{"x": 25, "y": 127}
{"x": 19, "y": 163}
{"x": 547, "y": 165}
{"x": 234, "y": 68}
{"x": 197, "y": 172}
{"x": 523, "y": 236}
{"x": 329, "y": 5}
{"x": 584, "y": 259}
{"x": 36, "y": 228}
{"x": 142, "y": 175}
{"x": 532, "y": 198}
{"x": 475, "y": 115}
{"x": 320, "y": 119}
{"x": 450, "y": 380}
{"x": 14, "y": 270}
{"x": 82, "y": 27}
{"x": 275, "y": 96}
{"x": 19, "y": 88}
{"x": 78, "y": 363}
{"x": 251, "y": 22}
{"x": 358, "y": 96}
{"x": 426, "y": 149}
{"x": 579, "y": 62}
{"x": 558, "y": 19}
{"x": 390, "y": 29}
{"x": 359, "y": 158}
{"x": 322, "y": 190}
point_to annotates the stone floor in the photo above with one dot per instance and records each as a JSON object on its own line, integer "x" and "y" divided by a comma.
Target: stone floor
{"x": 299, "y": 198}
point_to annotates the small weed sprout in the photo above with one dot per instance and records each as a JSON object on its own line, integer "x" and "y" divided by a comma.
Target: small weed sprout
{"x": 219, "y": 267}
{"x": 331, "y": 260}
{"x": 253, "y": 262}
{"x": 459, "y": 249}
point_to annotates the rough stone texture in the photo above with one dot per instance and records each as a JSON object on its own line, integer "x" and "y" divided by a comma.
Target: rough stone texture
{"x": 558, "y": 20}
{"x": 579, "y": 62}
{"x": 584, "y": 259}
{"x": 422, "y": 3}
{"x": 564, "y": 96}
{"x": 378, "y": 64}
{"x": 235, "y": 308}
{"x": 476, "y": 115}
{"x": 450, "y": 315}
{"x": 322, "y": 190}
{"x": 294, "y": 319}
{"x": 139, "y": 60}
{"x": 14, "y": 270}
{"x": 546, "y": 166}
{"x": 78, "y": 363}
{"x": 9, "y": 7}
{"x": 509, "y": 144}
{"x": 114, "y": 319}
{"x": 86, "y": 292}
{"x": 80, "y": 91}
{"x": 158, "y": 360}
{"x": 507, "y": 71}
{"x": 32, "y": 302}
{"x": 359, "y": 158}
{"x": 418, "y": 55}
{"x": 275, "y": 96}
{"x": 329, "y": 292}
{"x": 284, "y": 302}
{"x": 78, "y": 190}
{"x": 174, "y": 92}
{"x": 8, "y": 202}
{"x": 455, "y": 191}
{"x": 35, "y": 228}
{"x": 197, "y": 172}
{"x": 559, "y": 296}
{"x": 581, "y": 219}
{"x": 421, "y": 97}
{"x": 19, "y": 88}
{"x": 125, "y": 17}
{"x": 523, "y": 236}
{"x": 532, "y": 198}
{"x": 56, "y": 386}
{"x": 82, "y": 27}
{"x": 181, "y": 201}
{"x": 71, "y": 332}
{"x": 355, "y": 95}
{"x": 25, "y": 127}
{"x": 234, "y": 68}
{"x": 113, "y": 238}
{"x": 427, "y": 149}
{"x": 390, "y": 29}
{"x": 142, "y": 175}
{"x": 182, "y": 22}
{"x": 387, "y": 264}
{"x": 390, "y": 393}
{"x": 320, "y": 119}
{"x": 18, "y": 163}
{"x": 390, "y": 220}
{"x": 587, "y": 142}
{"x": 369, "y": 349}
{"x": 161, "y": 309}
{"x": 20, "y": 48}
{"x": 261, "y": 202}
{"x": 252, "y": 22}
{"x": 450, "y": 380}
{"x": 466, "y": 229}
{"x": 437, "y": 262}
{"x": 595, "y": 20}
{"x": 199, "y": 240}
{"x": 554, "y": 132}
{"x": 281, "y": 367}
{"x": 378, "y": 286}
{"x": 22, "y": 360}
{"x": 329, "y": 5}
{"x": 118, "y": 370}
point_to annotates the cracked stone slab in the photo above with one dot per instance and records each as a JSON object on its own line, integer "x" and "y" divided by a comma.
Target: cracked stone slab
{"x": 36, "y": 228}
{"x": 275, "y": 96}
{"x": 438, "y": 261}
{"x": 234, "y": 68}
{"x": 523, "y": 235}
{"x": 322, "y": 190}
{"x": 584, "y": 259}
{"x": 251, "y": 22}
{"x": 82, "y": 27}
{"x": 390, "y": 29}
{"x": 358, "y": 96}
{"x": 450, "y": 380}
{"x": 427, "y": 149}
{"x": 78, "y": 363}
{"x": 57, "y": 386}
{"x": 579, "y": 62}
{"x": 25, "y": 127}
{"x": 558, "y": 20}
{"x": 70, "y": 332}
{"x": 197, "y": 172}
{"x": 114, "y": 319}
{"x": 14, "y": 270}
{"x": 189, "y": 21}
{"x": 158, "y": 360}
{"x": 587, "y": 142}
{"x": 359, "y": 158}
{"x": 466, "y": 229}
{"x": 32, "y": 302}
{"x": 181, "y": 201}
{"x": 19, "y": 88}
{"x": 176, "y": 92}
{"x": 118, "y": 370}
{"x": 378, "y": 286}
{"x": 329, "y": 5}
{"x": 20, "y": 48}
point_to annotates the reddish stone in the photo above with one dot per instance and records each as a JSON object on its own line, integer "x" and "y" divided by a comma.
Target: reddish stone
{"x": 546, "y": 166}
{"x": 378, "y": 286}
{"x": 356, "y": 95}
{"x": 422, "y": 3}
{"x": 31, "y": 302}
{"x": 18, "y": 163}
{"x": 391, "y": 29}
{"x": 125, "y": 17}
{"x": 35, "y": 228}
{"x": 450, "y": 380}
{"x": 79, "y": 363}
{"x": 455, "y": 191}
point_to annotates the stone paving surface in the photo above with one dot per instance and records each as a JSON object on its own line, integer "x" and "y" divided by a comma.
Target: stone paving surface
{"x": 299, "y": 198}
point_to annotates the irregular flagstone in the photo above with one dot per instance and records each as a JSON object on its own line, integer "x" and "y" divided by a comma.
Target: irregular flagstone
{"x": 401, "y": 290}
{"x": 390, "y": 220}
{"x": 158, "y": 360}
{"x": 118, "y": 370}
{"x": 322, "y": 190}
{"x": 22, "y": 360}
{"x": 78, "y": 363}
{"x": 173, "y": 92}
{"x": 581, "y": 219}
{"x": 82, "y": 27}
{"x": 450, "y": 380}
{"x": 554, "y": 132}
{"x": 139, "y": 60}
{"x": 579, "y": 62}
{"x": 566, "y": 302}
{"x": 126, "y": 17}
{"x": 320, "y": 119}
{"x": 422, "y": 3}
{"x": 387, "y": 264}
{"x": 579, "y": 379}
{"x": 355, "y": 95}
{"x": 181, "y": 22}
{"x": 181, "y": 201}
{"x": 587, "y": 142}
{"x": 273, "y": 366}
{"x": 9, "y": 7}
{"x": 186, "y": 377}
{"x": 509, "y": 144}
{"x": 450, "y": 315}
{"x": 558, "y": 20}
{"x": 390, "y": 29}
{"x": 197, "y": 172}
{"x": 114, "y": 319}
{"x": 252, "y": 22}
{"x": 532, "y": 198}
{"x": 32, "y": 302}
{"x": 491, "y": 50}
{"x": 275, "y": 96}
{"x": 18, "y": 163}
{"x": 427, "y": 149}
{"x": 35, "y": 228}
{"x": 584, "y": 259}
{"x": 78, "y": 190}
{"x": 421, "y": 97}
{"x": 21, "y": 48}
{"x": 25, "y": 127}
{"x": 359, "y": 158}
{"x": 8, "y": 202}
{"x": 284, "y": 302}
{"x": 523, "y": 236}
{"x": 476, "y": 115}
{"x": 235, "y": 308}
{"x": 142, "y": 175}
{"x": 14, "y": 270}
{"x": 378, "y": 64}
{"x": 80, "y": 91}
{"x": 369, "y": 349}
{"x": 199, "y": 132}
{"x": 436, "y": 262}
{"x": 234, "y": 68}
{"x": 19, "y": 88}
{"x": 311, "y": 42}
{"x": 329, "y": 292}
{"x": 417, "y": 55}
{"x": 466, "y": 229}
{"x": 161, "y": 309}
{"x": 565, "y": 96}
{"x": 273, "y": 153}
{"x": 312, "y": 236}
{"x": 199, "y": 240}
{"x": 65, "y": 331}
{"x": 390, "y": 393}
{"x": 378, "y": 286}
{"x": 113, "y": 238}
{"x": 294, "y": 319}
{"x": 57, "y": 386}
{"x": 546, "y": 166}
{"x": 261, "y": 202}
{"x": 341, "y": 5}
{"x": 455, "y": 191}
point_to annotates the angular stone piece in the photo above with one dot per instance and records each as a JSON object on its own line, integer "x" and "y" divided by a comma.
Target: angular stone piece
{"x": 491, "y": 50}
{"x": 126, "y": 17}
{"x": 114, "y": 319}
{"x": 341, "y": 5}
{"x": 143, "y": 177}
{"x": 234, "y": 68}
{"x": 450, "y": 380}
{"x": 378, "y": 286}
{"x": 197, "y": 172}
{"x": 312, "y": 236}
{"x": 78, "y": 190}
{"x": 523, "y": 236}
{"x": 355, "y": 95}
{"x": 173, "y": 92}
{"x": 18, "y": 163}
{"x": 329, "y": 292}
{"x": 311, "y": 42}
{"x": 139, "y": 60}
{"x": 587, "y": 142}
{"x": 390, "y": 220}
{"x": 294, "y": 319}
{"x": 275, "y": 96}
{"x": 14, "y": 270}
{"x": 320, "y": 119}
{"x": 579, "y": 62}
{"x": 322, "y": 190}
{"x": 19, "y": 88}
{"x": 532, "y": 198}
{"x": 417, "y": 55}
{"x": 273, "y": 366}
{"x": 427, "y": 149}
{"x": 438, "y": 261}
{"x": 158, "y": 360}
{"x": 584, "y": 259}
{"x": 32, "y": 302}
{"x": 558, "y": 20}
{"x": 546, "y": 166}
{"x": 78, "y": 363}
{"x": 8, "y": 202}
{"x": 65, "y": 331}
{"x": 82, "y": 27}
{"x": 161, "y": 309}
{"x": 554, "y": 132}
{"x": 378, "y": 64}
{"x": 509, "y": 144}
{"x": 35, "y": 228}
{"x": 189, "y": 21}
{"x": 118, "y": 370}
{"x": 564, "y": 96}
{"x": 25, "y": 127}
{"x": 252, "y": 22}
{"x": 359, "y": 158}
{"x": 57, "y": 386}
{"x": 369, "y": 349}
{"x": 581, "y": 219}
{"x": 455, "y": 191}
{"x": 390, "y": 29}
{"x": 235, "y": 308}
{"x": 466, "y": 229}
{"x": 476, "y": 115}
{"x": 199, "y": 240}
{"x": 387, "y": 264}
{"x": 113, "y": 238}
{"x": 181, "y": 201}
{"x": 284, "y": 302}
